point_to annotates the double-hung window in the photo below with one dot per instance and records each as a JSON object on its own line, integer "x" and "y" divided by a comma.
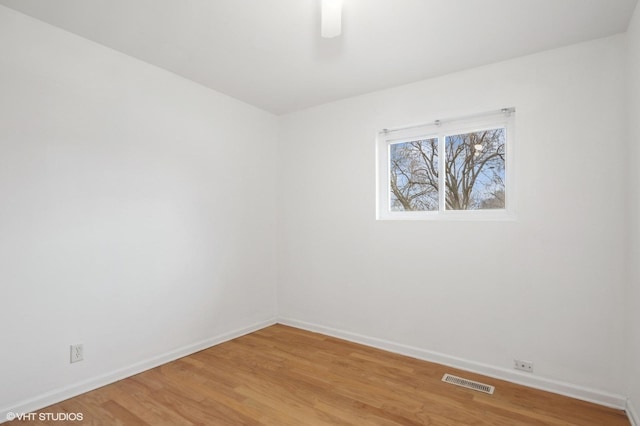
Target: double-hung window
{"x": 449, "y": 169}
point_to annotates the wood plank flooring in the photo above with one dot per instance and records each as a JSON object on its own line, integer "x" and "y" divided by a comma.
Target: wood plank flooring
{"x": 286, "y": 376}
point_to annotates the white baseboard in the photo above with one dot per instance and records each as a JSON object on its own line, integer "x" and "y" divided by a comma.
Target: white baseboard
{"x": 61, "y": 394}
{"x": 562, "y": 388}
{"x": 632, "y": 414}
{"x": 525, "y": 379}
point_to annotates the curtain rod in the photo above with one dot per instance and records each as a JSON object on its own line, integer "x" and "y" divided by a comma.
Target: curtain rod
{"x": 506, "y": 111}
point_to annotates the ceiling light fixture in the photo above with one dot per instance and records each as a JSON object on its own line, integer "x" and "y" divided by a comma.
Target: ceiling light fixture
{"x": 331, "y": 18}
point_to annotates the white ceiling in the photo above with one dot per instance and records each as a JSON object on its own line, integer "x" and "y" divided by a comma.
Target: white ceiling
{"x": 269, "y": 52}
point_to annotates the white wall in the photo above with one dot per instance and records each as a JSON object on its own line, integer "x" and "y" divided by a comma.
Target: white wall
{"x": 137, "y": 211}
{"x": 633, "y": 298}
{"x": 548, "y": 287}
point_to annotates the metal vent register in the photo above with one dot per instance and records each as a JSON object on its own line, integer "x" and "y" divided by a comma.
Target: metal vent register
{"x": 469, "y": 384}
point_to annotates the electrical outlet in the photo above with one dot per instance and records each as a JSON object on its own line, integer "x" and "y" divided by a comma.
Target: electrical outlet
{"x": 77, "y": 353}
{"x": 523, "y": 365}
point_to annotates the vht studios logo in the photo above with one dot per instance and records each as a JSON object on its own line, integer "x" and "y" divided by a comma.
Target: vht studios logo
{"x": 51, "y": 417}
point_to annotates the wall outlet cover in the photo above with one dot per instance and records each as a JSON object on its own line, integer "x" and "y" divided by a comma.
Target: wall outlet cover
{"x": 77, "y": 353}
{"x": 523, "y": 365}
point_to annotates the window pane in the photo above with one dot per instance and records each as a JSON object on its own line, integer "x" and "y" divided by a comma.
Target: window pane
{"x": 475, "y": 170}
{"x": 413, "y": 177}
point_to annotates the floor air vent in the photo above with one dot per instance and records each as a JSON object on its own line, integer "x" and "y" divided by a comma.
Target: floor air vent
{"x": 470, "y": 384}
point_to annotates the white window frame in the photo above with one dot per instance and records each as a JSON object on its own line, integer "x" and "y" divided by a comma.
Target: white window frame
{"x": 440, "y": 129}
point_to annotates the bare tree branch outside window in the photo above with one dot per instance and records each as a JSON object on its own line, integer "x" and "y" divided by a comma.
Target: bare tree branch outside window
{"x": 474, "y": 172}
{"x": 414, "y": 175}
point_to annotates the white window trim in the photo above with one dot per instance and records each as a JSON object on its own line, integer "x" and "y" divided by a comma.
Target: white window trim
{"x": 441, "y": 129}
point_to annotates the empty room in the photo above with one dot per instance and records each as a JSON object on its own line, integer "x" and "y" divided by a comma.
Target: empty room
{"x": 320, "y": 212}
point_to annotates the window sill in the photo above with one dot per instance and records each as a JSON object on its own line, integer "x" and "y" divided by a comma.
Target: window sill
{"x": 453, "y": 216}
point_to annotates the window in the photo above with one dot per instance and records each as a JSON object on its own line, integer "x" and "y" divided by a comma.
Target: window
{"x": 454, "y": 169}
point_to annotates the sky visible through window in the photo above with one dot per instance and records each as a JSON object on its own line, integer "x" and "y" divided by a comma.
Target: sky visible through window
{"x": 474, "y": 172}
{"x": 414, "y": 175}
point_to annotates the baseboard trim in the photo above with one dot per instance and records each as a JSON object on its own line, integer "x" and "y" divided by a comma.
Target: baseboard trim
{"x": 562, "y": 388}
{"x": 549, "y": 385}
{"x": 61, "y": 394}
{"x": 632, "y": 414}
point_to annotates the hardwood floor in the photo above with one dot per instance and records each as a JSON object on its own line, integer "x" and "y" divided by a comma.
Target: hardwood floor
{"x": 285, "y": 376}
